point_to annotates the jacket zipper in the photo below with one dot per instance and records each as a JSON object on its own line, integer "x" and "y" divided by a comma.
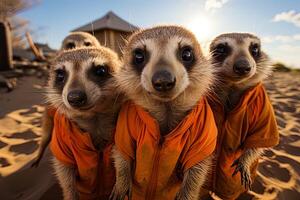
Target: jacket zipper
{"x": 151, "y": 189}
{"x": 99, "y": 174}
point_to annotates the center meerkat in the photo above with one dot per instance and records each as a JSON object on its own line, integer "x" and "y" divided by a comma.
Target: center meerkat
{"x": 83, "y": 95}
{"x": 166, "y": 133}
{"x": 243, "y": 112}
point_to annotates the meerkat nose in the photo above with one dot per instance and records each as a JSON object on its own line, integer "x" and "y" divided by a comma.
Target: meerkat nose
{"x": 242, "y": 67}
{"x": 163, "y": 81}
{"x": 77, "y": 98}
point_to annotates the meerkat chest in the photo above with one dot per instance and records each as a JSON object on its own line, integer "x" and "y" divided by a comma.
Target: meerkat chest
{"x": 168, "y": 118}
{"x": 232, "y": 100}
{"x": 100, "y": 130}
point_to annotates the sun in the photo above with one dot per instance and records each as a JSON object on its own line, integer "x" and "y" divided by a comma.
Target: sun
{"x": 202, "y": 27}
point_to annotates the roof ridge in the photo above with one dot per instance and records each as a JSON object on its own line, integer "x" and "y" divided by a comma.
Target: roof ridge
{"x": 108, "y": 21}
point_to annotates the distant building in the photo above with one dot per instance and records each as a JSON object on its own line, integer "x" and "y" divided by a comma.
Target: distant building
{"x": 110, "y": 30}
{"x": 21, "y": 54}
{"x": 46, "y": 50}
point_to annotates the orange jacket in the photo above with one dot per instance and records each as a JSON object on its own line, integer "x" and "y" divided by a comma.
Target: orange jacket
{"x": 73, "y": 147}
{"x": 251, "y": 124}
{"x": 158, "y": 161}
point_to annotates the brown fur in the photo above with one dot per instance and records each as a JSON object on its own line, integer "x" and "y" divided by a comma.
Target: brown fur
{"x": 163, "y": 42}
{"x": 233, "y": 86}
{"x": 99, "y": 119}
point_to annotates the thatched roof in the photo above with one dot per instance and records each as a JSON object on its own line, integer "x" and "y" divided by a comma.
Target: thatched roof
{"x": 108, "y": 21}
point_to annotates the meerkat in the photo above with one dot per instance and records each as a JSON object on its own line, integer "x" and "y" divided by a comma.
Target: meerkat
{"x": 165, "y": 76}
{"x": 242, "y": 110}
{"x": 79, "y": 39}
{"x": 82, "y": 90}
{"x": 72, "y": 41}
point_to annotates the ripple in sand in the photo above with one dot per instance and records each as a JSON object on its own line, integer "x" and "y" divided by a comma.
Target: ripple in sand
{"x": 280, "y": 122}
{"x": 2, "y": 144}
{"x": 293, "y": 163}
{"x": 296, "y": 130}
{"x": 25, "y": 148}
{"x": 245, "y": 196}
{"x": 257, "y": 186}
{"x": 291, "y": 138}
{"x": 270, "y": 169}
{"x": 292, "y": 150}
{"x": 297, "y": 115}
{"x": 269, "y": 153}
{"x": 23, "y": 135}
{"x": 284, "y": 107}
{"x": 289, "y": 194}
{"x": 36, "y": 122}
{"x": 4, "y": 162}
{"x": 30, "y": 111}
{"x": 279, "y": 114}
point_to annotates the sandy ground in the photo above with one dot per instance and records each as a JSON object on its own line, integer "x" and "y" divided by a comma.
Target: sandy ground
{"x": 20, "y": 112}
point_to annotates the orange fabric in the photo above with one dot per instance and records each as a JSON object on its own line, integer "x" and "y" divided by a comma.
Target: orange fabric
{"x": 251, "y": 124}
{"x": 50, "y": 111}
{"x": 72, "y": 147}
{"x": 158, "y": 161}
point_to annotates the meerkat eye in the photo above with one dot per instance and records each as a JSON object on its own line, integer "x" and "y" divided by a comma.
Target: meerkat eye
{"x": 255, "y": 50}
{"x": 70, "y": 45}
{"x": 100, "y": 70}
{"x": 187, "y": 55}
{"x": 221, "y": 49}
{"x": 139, "y": 56}
{"x": 60, "y": 75}
{"x": 87, "y": 44}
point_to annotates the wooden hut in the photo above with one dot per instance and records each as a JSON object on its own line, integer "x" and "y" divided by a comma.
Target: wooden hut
{"x": 110, "y": 30}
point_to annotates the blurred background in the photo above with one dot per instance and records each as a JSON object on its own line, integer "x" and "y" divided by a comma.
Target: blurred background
{"x": 31, "y": 32}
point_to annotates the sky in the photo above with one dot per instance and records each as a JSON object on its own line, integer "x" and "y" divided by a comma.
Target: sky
{"x": 276, "y": 22}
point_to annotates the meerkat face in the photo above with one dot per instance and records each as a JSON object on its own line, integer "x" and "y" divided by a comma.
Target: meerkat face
{"x": 79, "y": 39}
{"x": 239, "y": 57}
{"x": 82, "y": 80}
{"x": 162, "y": 62}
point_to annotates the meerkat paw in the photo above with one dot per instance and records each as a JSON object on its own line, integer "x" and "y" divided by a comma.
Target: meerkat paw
{"x": 245, "y": 173}
{"x": 119, "y": 192}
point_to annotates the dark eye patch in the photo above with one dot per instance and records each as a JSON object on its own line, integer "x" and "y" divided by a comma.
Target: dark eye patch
{"x": 70, "y": 45}
{"x": 186, "y": 56}
{"x": 60, "y": 79}
{"x": 254, "y": 50}
{"x": 221, "y": 51}
{"x": 140, "y": 58}
{"x": 87, "y": 44}
{"x": 99, "y": 74}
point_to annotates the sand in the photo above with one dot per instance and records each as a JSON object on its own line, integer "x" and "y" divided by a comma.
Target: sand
{"x": 20, "y": 113}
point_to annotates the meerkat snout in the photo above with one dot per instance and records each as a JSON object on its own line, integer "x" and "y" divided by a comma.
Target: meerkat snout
{"x": 77, "y": 98}
{"x": 242, "y": 66}
{"x": 163, "y": 81}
